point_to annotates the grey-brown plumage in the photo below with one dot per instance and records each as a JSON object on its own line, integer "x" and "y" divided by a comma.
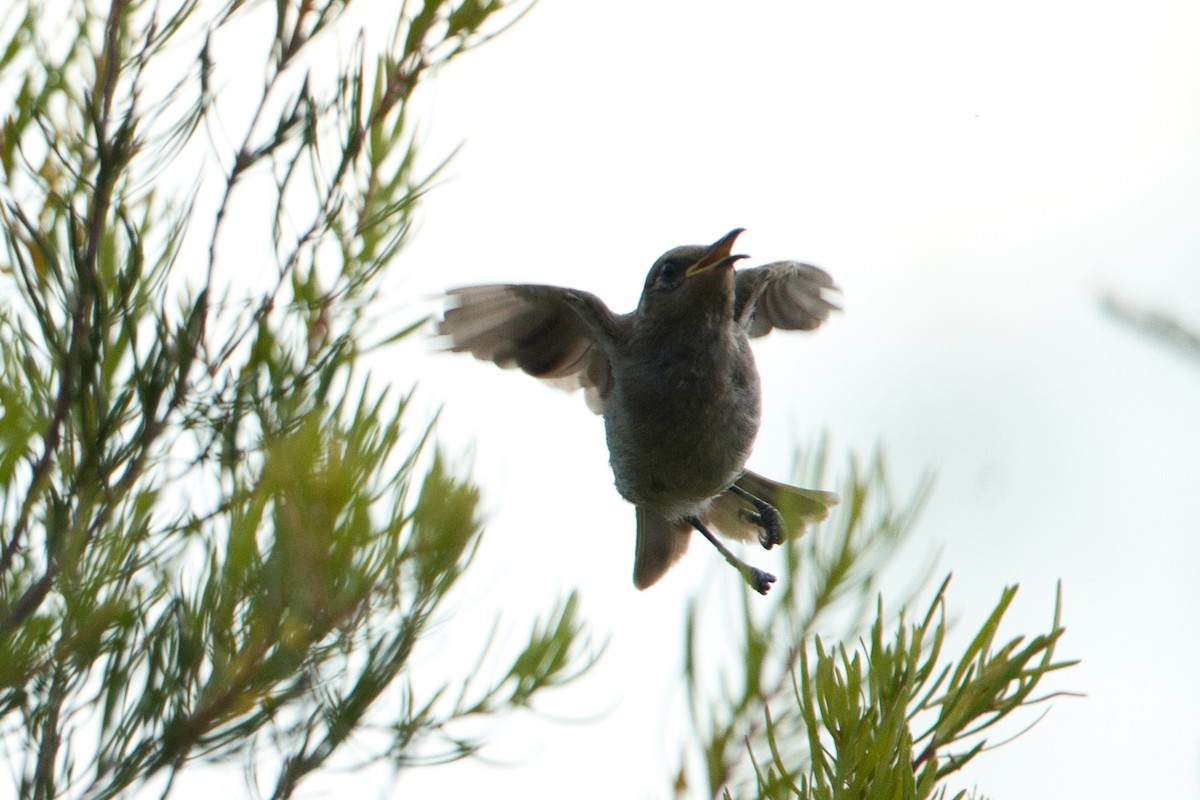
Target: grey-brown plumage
{"x": 676, "y": 382}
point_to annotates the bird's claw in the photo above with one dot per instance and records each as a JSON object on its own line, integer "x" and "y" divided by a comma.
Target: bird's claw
{"x": 771, "y": 523}
{"x": 759, "y": 581}
{"x": 768, "y": 519}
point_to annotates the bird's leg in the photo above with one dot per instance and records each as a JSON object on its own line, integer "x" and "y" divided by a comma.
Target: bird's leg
{"x": 766, "y": 517}
{"x": 759, "y": 581}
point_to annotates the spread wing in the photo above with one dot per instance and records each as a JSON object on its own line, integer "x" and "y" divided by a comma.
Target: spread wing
{"x": 786, "y": 294}
{"x": 551, "y": 333}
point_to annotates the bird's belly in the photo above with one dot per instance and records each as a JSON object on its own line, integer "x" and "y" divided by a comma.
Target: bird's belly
{"x": 675, "y": 441}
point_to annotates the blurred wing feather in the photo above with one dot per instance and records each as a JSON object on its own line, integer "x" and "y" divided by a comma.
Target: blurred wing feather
{"x": 786, "y": 294}
{"x": 536, "y": 328}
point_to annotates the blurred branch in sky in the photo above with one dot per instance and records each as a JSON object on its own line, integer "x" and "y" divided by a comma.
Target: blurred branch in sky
{"x": 218, "y": 539}
{"x": 1156, "y": 324}
{"x": 871, "y": 712}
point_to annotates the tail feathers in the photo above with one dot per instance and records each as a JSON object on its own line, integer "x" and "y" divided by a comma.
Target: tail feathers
{"x": 729, "y": 513}
{"x": 660, "y": 543}
{"x": 811, "y": 505}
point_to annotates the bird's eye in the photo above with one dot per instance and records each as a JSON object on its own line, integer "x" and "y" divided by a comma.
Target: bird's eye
{"x": 672, "y": 273}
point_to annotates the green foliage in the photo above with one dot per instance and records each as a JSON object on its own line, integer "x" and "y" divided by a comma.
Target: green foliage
{"x": 886, "y": 717}
{"x": 217, "y": 540}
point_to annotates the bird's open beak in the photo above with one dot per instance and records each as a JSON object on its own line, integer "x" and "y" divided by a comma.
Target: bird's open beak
{"x": 717, "y": 256}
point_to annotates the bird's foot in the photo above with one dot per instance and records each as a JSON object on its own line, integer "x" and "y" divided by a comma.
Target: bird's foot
{"x": 759, "y": 581}
{"x": 765, "y": 516}
{"x": 770, "y": 521}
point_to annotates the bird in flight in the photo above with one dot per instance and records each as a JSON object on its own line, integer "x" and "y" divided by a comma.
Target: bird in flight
{"x": 676, "y": 383}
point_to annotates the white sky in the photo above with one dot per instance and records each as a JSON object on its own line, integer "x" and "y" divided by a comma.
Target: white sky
{"x": 972, "y": 175}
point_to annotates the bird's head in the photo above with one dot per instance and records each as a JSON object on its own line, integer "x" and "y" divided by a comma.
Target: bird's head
{"x": 692, "y": 280}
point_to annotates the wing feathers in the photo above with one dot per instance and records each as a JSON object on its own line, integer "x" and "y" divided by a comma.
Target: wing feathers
{"x": 786, "y": 294}
{"x": 539, "y": 329}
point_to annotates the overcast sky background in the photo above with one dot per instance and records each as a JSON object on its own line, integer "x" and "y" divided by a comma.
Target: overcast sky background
{"x": 973, "y": 175}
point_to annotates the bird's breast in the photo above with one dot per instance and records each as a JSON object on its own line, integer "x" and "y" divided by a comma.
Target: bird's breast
{"x": 680, "y": 425}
